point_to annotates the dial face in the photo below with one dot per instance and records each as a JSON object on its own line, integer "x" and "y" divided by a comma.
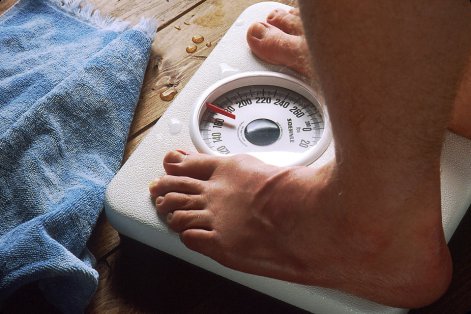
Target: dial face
{"x": 280, "y": 124}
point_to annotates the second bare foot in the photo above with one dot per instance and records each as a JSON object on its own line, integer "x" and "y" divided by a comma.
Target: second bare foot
{"x": 280, "y": 40}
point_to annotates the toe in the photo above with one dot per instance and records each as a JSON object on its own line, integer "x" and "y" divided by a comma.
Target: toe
{"x": 202, "y": 241}
{"x": 168, "y": 183}
{"x": 289, "y": 22}
{"x": 272, "y": 45}
{"x": 198, "y": 166}
{"x": 181, "y": 220}
{"x": 176, "y": 201}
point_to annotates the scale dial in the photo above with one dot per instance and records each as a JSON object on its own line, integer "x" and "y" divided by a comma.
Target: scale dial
{"x": 269, "y": 115}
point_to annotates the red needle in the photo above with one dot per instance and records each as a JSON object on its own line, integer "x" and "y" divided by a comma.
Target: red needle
{"x": 217, "y": 109}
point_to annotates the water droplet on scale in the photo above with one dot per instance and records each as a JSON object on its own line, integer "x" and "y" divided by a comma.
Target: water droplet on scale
{"x": 227, "y": 70}
{"x": 174, "y": 126}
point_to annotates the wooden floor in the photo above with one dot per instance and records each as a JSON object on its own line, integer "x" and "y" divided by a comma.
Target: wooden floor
{"x": 135, "y": 278}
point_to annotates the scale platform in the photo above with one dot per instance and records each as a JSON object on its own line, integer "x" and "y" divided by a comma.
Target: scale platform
{"x": 130, "y": 210}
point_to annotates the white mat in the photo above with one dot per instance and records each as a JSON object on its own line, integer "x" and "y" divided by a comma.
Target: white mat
{"x": 130, "y": 210}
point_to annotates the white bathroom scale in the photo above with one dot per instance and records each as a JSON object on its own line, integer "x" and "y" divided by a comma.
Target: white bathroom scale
{"x": 236, "y": 103}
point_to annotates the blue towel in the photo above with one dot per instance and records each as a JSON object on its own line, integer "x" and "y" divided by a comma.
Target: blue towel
{"x": 69, "y": 82}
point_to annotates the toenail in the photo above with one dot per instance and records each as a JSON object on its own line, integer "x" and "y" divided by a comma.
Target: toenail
{"x": 177, "y": 157}
{"x": 153, "y": 184}
{"x": 159, "y": 200}
{"x": 182, "y": 152}
{"x": 169, "y": 217}
{"x": 259, "y": 30}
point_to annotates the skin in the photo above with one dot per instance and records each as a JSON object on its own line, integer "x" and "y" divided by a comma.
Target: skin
{"x": 368, "y": 223}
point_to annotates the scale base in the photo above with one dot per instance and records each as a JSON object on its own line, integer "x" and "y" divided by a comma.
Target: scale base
{"x": 130, "y": 210}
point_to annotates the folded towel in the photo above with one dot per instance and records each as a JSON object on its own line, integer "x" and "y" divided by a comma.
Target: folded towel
{"x": 69, "y": 83}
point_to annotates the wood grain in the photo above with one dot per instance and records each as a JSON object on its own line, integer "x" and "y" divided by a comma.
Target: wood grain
{"x": 134, "y": 142}
{"x": 133, "y": 10}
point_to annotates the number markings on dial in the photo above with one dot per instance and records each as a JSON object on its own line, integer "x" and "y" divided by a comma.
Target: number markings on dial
{"x": 304, "y": 130}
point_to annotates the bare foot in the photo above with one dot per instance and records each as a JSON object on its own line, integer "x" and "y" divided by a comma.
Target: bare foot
{"x": 280, "y": 40}
{"x": 298, "y": 224}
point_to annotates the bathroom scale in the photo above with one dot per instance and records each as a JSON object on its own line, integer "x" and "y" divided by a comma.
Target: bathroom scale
{"x": 236, "y": 103}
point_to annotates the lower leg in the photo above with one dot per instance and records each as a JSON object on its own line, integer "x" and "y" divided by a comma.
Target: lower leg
{"x": 389, "y": 79}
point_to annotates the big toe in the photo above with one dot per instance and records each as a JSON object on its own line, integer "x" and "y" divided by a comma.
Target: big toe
{"x": 288, "y": 22}
{"x": 275, "y": 46}
{"x": 194, "y": 165}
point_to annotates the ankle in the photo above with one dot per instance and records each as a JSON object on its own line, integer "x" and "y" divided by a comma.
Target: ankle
{"x": 393, "y": 266}
{"x": 392, "y": 233}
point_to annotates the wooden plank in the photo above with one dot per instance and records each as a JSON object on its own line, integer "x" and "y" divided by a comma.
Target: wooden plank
{"x": 134, "y": 142}
{"x": 103, "y": 239}
{"x": 5, "y": 5}
{"x": 171, "y": 66}
{"x": 134, "y": 10}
